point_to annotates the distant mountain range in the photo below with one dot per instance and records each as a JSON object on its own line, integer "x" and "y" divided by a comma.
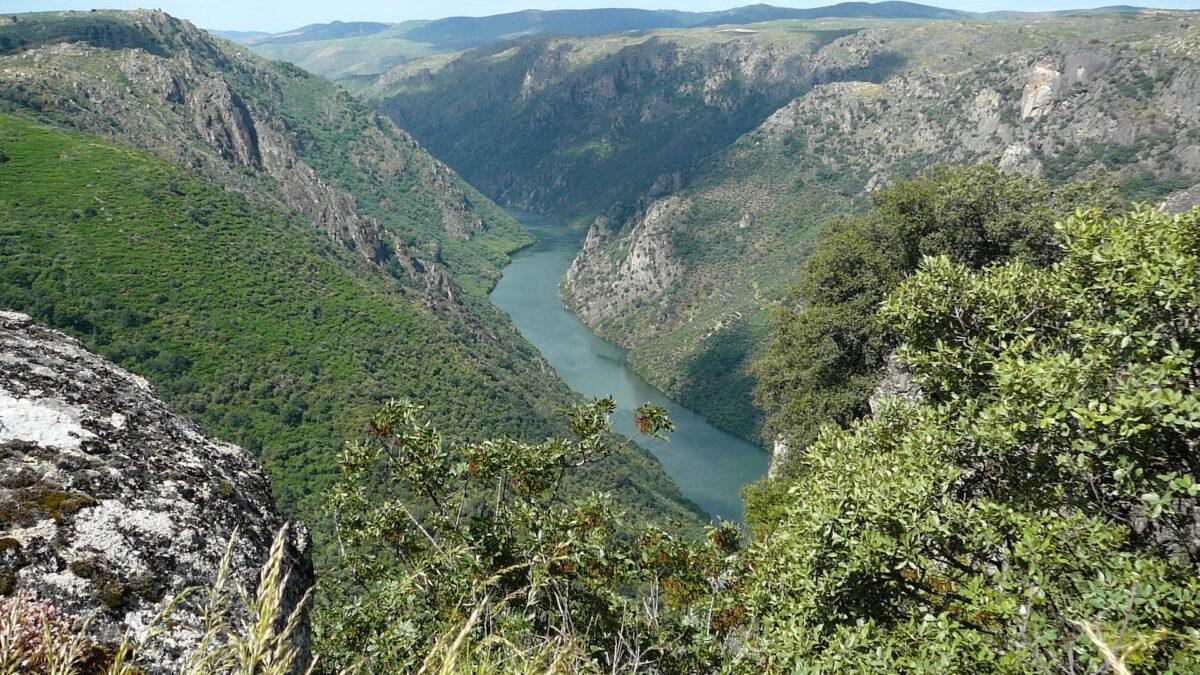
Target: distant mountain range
{"x": 322, "y": 31}
{"x": 357, "y": 51}
{"x": 464, "y": 32}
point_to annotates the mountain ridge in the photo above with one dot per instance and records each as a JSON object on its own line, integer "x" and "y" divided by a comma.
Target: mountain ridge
{"x": 687, "y": 200}
{"x": 352, "y": 57}
{"x": 220, "y": 241}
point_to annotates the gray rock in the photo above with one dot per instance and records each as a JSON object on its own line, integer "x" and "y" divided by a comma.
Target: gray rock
{"x": 111, "y": 504}
{"x": 897, "y": 382}
{"x": 598, "y": 285}
{"x": 779, "y": 458}
{"x": 1183, "y": 200}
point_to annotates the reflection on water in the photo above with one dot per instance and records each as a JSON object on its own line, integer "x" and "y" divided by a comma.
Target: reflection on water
{"x": 709, "y": 465}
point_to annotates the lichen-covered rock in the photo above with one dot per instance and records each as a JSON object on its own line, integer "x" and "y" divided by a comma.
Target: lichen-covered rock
{"x": 897, "y": 382}
{"x": 111, "y": 504}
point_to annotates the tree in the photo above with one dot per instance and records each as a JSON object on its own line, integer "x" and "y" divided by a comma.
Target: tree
{"x": 1041, "y": 501}
{"x": 478, "y": 541}
{"x": 826, "y": 352}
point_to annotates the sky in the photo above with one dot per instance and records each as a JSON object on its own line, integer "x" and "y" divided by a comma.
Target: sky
{"x": 280, "y": 15}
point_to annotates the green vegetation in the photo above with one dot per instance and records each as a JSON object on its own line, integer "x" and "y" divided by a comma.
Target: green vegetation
{"x": 334, "y": 132}
{"x": 482, "y": 529}
{"x": 1032, "y": 509}
{"x": 251, "y": 322}
{"x": 390, "y": 179}
{"x": 826, "y": 352}
{"x": 348, "y": 59}
{"x": 1033, "y": 512}
{"x": 218, "y": 282}
{"x": 1032, "y": 504}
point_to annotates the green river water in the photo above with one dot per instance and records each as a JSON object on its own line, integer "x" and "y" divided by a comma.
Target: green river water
{"x": 709, "y": 465}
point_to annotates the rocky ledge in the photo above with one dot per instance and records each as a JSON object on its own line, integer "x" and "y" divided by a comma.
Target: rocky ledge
{"x": 111, "y": 504}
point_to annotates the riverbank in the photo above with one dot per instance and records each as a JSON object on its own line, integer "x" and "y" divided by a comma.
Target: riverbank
{"x": 709, "y": 465}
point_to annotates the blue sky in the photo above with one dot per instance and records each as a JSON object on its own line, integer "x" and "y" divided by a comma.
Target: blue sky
{"x": 279, "y": 15}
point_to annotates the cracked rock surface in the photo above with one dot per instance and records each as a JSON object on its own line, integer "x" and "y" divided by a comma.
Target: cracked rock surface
{"x": 111, "y": 503}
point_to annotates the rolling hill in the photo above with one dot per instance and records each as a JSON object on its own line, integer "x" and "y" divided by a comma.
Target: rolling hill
{"x": 355, "y": 51}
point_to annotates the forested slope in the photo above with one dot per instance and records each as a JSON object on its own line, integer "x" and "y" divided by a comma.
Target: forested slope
{"x": 686, "y": 281}
{"x": 272, "y": 255}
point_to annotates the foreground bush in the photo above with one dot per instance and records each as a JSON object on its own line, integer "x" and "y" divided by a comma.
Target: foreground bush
{"x": 1040, "y": 503}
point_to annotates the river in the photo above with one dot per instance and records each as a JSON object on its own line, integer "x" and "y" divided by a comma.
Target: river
{"x": 709, "y": 465}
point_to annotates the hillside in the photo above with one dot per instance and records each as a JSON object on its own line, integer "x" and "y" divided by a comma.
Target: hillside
{"x": 255, "y": 127}
{"x": 860, "y": 10}
{"x": 464, "y": 32}
{"x": 333, "y": 30}
{"x": 711, "y": 156}
{"x": 686, "y": 281}
{"x": 273, "y": 256}
{"x": 356, "y": 52}
{"x": 345, "y": 56}
{"x": 576, "y": 126}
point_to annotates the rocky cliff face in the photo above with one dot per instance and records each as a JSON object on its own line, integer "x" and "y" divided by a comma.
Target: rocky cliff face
{"x": 1124, "y": 101}
{"x": 646, "y": 267}
{"x": 578, "y": 124}
{"x": 112, "y": 504}
{"x": 256, "y": 127}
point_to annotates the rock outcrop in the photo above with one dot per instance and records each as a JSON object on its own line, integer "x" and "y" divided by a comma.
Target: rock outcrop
{"x": 897, "y": 382}
{"x": 779, "y": 458}
{"x": 1182, "y": 201}
{"x": 111, "y": 504}
{"x": 599, "y": 286}
{"x": 1038, "y": 97}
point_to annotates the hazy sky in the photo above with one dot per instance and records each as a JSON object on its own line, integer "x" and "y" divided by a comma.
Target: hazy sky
{"x": 279, "y": 15}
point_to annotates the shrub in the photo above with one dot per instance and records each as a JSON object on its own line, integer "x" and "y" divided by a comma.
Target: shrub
{"x": 1036, "y": 511}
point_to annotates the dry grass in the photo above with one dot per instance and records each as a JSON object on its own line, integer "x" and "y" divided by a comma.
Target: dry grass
{"x": 36, "y": 638}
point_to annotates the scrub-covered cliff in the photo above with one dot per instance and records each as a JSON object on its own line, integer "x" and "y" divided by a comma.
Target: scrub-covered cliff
{"x": 276, "y": 258}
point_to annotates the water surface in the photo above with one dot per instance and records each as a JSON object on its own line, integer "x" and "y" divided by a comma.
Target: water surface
{"x": 709, "y": 465}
